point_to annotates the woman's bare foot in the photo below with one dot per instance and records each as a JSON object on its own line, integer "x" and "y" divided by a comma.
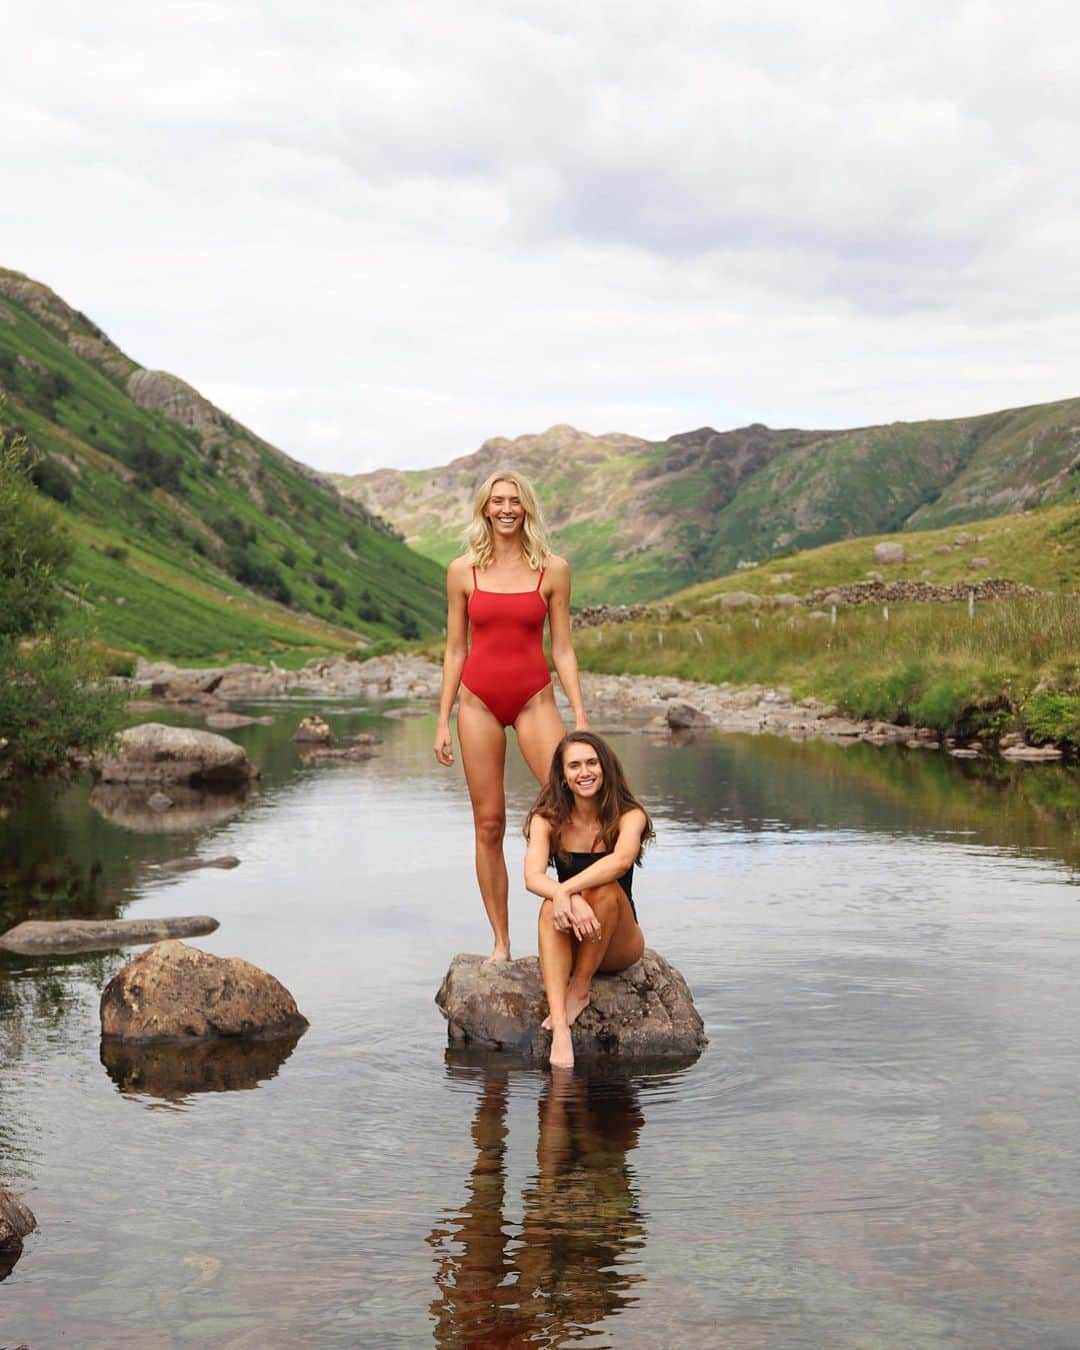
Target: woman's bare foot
{"x": 562, "y": 1049}
{"x": 501, "y": 953}
{"x": 575, "y": 1006}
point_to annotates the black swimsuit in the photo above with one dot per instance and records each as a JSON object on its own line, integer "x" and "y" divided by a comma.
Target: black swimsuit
{"x": 570, "y": 864}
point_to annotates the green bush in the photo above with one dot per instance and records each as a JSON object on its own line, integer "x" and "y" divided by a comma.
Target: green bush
{"x": 53, "y": 699}
{"x": 52, "y": 694}
{"x": 33, "y": 548}
{"x": 1052, "y": 715}
{"x": 48, "y": 477}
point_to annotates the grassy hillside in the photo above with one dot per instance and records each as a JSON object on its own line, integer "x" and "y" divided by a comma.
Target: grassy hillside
{"x": 638, "y": 520}
{"x": 196, "y": 540}
{"x": 1014, "y": 666}
{"x": 1040, "y": 548}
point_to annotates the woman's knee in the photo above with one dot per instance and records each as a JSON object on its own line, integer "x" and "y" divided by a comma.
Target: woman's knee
{"x": 603, "y": 897}
{"x": 490, "y": 828}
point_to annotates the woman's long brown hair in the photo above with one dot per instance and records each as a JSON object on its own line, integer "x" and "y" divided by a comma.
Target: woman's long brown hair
{"x": 556, "y": 802}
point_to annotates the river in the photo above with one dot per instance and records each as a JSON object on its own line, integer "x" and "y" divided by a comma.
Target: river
{"x": 877, "y": 1148}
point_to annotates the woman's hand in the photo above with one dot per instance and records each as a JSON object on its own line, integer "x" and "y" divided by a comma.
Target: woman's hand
{"x": 583, "y": 919}
{"x": 561, "y": 910}
{"x": 444, "y": 745}
{"x": 581, "y": 723}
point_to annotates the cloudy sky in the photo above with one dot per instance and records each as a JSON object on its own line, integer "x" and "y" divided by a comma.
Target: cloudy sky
{"x": 381, "y": 232}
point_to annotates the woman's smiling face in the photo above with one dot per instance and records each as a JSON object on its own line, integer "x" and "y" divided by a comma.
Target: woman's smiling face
{"x": 504, "y": 508}
{"x": 582, "y": 769}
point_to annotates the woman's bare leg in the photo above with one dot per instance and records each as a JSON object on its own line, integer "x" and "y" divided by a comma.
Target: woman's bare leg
{"x": 556, "y": 950}
{"x": 620, "y": 944}
{"x": 483, "y": 757}
{"x": 539, "y": 730}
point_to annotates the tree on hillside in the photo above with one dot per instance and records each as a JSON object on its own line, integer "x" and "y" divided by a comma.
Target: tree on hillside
{"x": 52, "y": 697}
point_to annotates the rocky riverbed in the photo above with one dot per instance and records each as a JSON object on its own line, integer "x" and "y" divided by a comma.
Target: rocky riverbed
{"x": 658, "y": 704}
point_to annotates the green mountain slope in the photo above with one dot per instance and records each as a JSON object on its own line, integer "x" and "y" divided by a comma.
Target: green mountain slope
{"x": 196, "y": 540}
{"x": 640, "y": 519}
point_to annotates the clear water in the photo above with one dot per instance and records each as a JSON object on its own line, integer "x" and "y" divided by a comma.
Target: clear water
{"x": 878, "y": 1148}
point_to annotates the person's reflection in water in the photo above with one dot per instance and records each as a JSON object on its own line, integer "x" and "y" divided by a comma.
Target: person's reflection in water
{"x": 567, "y": 1270}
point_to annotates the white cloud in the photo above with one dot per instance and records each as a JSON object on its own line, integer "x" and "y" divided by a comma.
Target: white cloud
{"x": 379, "y": 234}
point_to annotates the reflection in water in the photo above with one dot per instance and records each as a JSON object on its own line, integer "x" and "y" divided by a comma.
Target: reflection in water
{"x": 172, "y": 1072}
{"x": 191, "y": 809}
{"x": 566, "y": 1269}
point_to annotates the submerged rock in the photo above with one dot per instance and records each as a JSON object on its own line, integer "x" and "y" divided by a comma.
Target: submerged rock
{"x": 175, "y": 865}
{"x": 646, "y": 1011}
{"x": 155, "y": 753}
{"x": 48, "y": 937}
{"x": 173, "y": 992}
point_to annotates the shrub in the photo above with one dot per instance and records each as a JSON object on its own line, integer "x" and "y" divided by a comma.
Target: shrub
{"x": 33, "y": 547}
{"x": 52, "y": 698}
{"x": 117, "y": 552}
{"x": 260, "y": 576}
{"x": 48, "y": 477}
{"x": 1052, "y": 715}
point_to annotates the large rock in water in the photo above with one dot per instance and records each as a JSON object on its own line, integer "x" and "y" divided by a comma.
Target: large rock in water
{"x": 645, "y": 1011}
{"x": 16, "y": 1221}
{"x": 173, "y": 992}
{"x": 155, "y": 753}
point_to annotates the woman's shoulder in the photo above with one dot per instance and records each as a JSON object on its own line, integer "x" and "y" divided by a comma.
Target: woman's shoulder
{"x": 460, "y": 567}
{"x": 635, "y": 817}
{"x": 539, "y": 826}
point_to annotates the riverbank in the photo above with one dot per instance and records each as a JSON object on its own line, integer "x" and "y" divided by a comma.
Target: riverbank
{"x": 657, "y": 704}
{"x": 1001, "y": 671}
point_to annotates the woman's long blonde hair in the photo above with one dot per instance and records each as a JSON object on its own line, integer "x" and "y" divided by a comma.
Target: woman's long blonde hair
{"x": 478, "y": 537}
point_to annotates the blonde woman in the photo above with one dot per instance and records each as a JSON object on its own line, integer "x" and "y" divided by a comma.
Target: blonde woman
{"x": 499, "y": 595}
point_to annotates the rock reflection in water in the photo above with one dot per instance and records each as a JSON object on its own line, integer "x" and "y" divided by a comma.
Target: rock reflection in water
{"x": 190, "y": 809}
{"x": 566, "y": 1269}
{"x": 173, "y": 1072}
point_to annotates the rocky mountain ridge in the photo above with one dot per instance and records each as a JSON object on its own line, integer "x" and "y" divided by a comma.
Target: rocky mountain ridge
{"x": 639, "y": 519}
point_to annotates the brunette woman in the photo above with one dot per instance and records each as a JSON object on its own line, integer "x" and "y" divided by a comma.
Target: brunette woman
{"x": 499, "y": 596}
{"x": 588, "y": 823}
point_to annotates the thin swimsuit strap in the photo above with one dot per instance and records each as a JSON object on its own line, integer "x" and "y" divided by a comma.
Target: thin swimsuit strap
{"x": 540, "y": 578}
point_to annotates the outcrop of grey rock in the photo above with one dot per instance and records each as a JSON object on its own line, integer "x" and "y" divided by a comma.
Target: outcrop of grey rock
{"x": 644, "y": 1012}
{"x": 155, "y": 753}
{"x": 173, "y": 992}
{"x": 51, "y": 937}
{"x": 16, "y": 1221}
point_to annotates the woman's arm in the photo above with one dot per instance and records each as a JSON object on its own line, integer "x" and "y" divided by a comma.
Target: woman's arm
{"x": 457, "y": 624}
{"x": 537, "y": 857}
{"x": 611, "y": 866}
{"x": 562, "y": 894}
{"x": 562, "y": 646}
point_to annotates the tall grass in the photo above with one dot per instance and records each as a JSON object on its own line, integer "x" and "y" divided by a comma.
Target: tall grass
{"x": 930, "y": 665}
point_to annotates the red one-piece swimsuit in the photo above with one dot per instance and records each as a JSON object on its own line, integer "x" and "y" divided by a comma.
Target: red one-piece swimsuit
{"x": 505, "y": 666}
